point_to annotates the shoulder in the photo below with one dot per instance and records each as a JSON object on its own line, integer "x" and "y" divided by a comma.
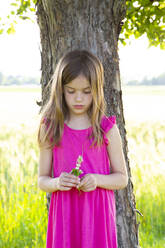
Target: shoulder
{"x": 114, "y": 139}
{"x": 108, "y": 121}
{"x": 113, "y": 132}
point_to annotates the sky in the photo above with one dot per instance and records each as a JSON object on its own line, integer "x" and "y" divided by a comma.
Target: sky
{"x": 20, "y": 53}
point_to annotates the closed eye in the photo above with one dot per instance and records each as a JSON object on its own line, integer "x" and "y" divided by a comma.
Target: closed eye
{"x": 72, "y": 92}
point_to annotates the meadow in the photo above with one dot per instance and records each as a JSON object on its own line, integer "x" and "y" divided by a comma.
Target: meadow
{"x": 23, "y": 211}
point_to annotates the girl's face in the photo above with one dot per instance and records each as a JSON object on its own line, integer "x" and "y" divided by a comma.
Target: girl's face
{"x": 78, "y": 92}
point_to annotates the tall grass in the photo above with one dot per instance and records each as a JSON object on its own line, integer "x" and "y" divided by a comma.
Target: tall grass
{"x": 23, "y": 213}
{"x": 146, "y": 144}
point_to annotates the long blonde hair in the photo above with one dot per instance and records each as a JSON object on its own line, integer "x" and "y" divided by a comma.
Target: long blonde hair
{"x": 55, "y": 112}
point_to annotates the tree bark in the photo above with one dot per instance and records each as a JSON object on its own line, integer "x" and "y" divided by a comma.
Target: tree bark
{"x": 66, "y": 25}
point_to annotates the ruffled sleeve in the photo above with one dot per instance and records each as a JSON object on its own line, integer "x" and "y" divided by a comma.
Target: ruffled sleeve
{"x": 107, "y": 123}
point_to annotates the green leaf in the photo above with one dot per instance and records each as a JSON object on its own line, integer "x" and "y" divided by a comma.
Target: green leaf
{"x": 11, "y": 29}
{"x": 32, "y": 9}
{"x": 122, "y": 41}
{"x": 162, "y": 45}
{"x": 162, "y": 6}
{"x": 145, "y": 17}
{"x": 35, "y": 1}
{"x": 14, "y": 4}
{"x": 24, "y": 17}
{"x": 137, "y": 34}
{"x": 1, "y": 31}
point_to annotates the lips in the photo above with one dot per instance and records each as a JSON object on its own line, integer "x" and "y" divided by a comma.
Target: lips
{"x": 78, "y": 106}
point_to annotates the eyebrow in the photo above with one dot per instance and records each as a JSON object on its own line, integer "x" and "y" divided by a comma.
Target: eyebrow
{"x": 74, "y": 88}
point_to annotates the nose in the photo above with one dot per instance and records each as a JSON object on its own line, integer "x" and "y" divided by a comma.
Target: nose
{"x": 78, "y": 96}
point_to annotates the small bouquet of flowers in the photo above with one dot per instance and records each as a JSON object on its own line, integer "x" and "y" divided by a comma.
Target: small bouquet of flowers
{"x": 76, "y": 171}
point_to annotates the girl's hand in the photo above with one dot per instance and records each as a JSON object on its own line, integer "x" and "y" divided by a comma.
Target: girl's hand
{"x": 66, "y": 181}
{"x": 88, "y": 183}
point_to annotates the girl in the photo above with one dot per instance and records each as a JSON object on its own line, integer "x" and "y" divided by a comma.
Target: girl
{"x": 73, "y": 123}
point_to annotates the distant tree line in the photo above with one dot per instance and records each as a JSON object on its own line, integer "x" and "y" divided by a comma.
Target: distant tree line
{"x": 23, "y": 80}
{"x": 18, "y": 80}
{"x": 160, "y": 80}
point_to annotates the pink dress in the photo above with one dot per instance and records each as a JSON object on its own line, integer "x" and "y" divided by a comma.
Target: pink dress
{"x": 86, "y": 219}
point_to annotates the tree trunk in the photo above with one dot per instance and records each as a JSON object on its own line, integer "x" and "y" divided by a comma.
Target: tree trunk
{"x": 66, "y": 25}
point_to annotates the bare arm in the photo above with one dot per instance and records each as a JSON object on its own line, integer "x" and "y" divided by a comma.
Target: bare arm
{"x": 118, "y": 178}
{"x": 45, "y": 181}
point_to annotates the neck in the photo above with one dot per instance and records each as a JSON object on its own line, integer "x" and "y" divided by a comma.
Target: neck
{"x": 78, "y": 119}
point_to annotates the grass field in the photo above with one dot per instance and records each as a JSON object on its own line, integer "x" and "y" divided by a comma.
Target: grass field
{"x": 144, "y": 90}
{"x": 23, "y": 88}
{"x": 146, "y": 153}
{"x": 23, "y": 213}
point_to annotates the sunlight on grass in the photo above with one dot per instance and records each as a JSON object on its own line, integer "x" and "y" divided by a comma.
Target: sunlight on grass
{"x": 23, "y": 212}
{"x": 146, "y": 153}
